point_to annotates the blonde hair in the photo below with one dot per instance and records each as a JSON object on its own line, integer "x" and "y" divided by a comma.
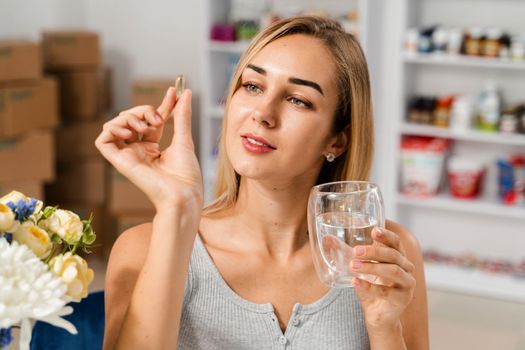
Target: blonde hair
{"x": 354, "y": 108}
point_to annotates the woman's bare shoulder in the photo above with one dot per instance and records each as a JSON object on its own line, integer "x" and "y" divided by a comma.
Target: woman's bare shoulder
{"x": 409, "y": 241}
{"x": 126, "y": 260}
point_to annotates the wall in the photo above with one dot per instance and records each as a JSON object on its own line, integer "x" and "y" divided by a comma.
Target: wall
{"x": 140, "y": 39}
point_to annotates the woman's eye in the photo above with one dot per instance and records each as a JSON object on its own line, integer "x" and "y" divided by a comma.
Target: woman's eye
{"x": 300, "y": 103}
{"x": 251, "y": 87}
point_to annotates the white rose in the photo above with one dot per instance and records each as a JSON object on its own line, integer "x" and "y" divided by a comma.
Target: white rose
{"x": 64, "y": 223}
{"x": 34, "y": 238}
{"x": 7, "y": 219}
{"x": 15, "y": 197}
{"x": 74, "y": 272}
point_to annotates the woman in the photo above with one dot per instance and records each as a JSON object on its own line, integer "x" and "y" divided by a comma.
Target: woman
{"x": 239, "y": 274}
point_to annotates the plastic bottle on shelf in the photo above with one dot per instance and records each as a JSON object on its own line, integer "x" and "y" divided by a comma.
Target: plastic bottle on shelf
{"x": 439, "y": 40}
{"x": 412, "y": 41}
{"x": 517, "y": 48}
{"x": 489, "y": 108}
{"x": 455, "y": 40}
{"x": 461, "y": 114}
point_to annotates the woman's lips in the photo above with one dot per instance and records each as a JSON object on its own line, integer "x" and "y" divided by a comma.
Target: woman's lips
{"x": 256, "y": 144}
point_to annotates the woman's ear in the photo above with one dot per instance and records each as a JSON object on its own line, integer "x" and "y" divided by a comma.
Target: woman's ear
{"x": 339, "y": 143}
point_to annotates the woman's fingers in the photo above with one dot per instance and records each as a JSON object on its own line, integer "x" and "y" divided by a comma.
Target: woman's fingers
{"x": 387, "y": 238}
{"x": 182, "y": 120}
{"x": 383, "y": 254}
{"x": 391, "y": 275}
{"x": 168, "y": 103}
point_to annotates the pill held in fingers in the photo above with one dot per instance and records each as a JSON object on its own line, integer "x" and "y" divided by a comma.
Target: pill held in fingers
{"x": 180, "y": 85}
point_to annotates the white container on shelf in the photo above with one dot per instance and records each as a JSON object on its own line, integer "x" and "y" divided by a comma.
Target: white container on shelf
{"x": 462, "y": 113}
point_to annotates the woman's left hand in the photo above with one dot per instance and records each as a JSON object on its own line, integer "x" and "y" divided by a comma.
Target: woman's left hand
{"x": 384, "y": 300}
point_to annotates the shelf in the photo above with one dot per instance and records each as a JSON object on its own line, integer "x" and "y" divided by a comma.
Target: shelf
{"x": 467, "y": 135}
{"x": 474, "y": 282}
{"x": 476, "y": 206}
{"x": 228, "y": 46}
{"x": 462, "y": 61}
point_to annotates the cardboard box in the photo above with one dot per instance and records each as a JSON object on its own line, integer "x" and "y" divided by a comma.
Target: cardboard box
{"x": 28, "y": 105}
{"x": 84, "y": 94}
{"x": 33, "y": 188}
{"x": 79, "y": 181}
{"x": 20, "y": 60}
{"x": 75, "y": 142}
{"x": 125, "y": 197}
{"x": 150, "y": 92}
{"x": 30, "y": 157}
{"x": 69, "y": 50}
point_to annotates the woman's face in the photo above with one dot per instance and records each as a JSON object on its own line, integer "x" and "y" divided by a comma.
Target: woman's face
{"x": 280, "y": 118}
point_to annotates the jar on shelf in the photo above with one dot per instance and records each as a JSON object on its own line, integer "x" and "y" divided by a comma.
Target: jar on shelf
{"x": 474, "y": 41}
{"x": 442, "y": 111}
{"x": 465, "y": 177}
{"x": 491, "y": 45}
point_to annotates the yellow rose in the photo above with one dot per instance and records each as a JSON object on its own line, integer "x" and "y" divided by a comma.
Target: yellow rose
{"x": 64, "y": 223}
{"x": 15, "y": 197}
{"x": 34, "y": 238}
{"x": 7, "y": 219}
{"x": 74, "y": 271}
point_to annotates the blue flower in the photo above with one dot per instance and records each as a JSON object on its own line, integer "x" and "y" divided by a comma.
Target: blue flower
{"x": 23, "y": 209}
{"x": 5, "y": 337}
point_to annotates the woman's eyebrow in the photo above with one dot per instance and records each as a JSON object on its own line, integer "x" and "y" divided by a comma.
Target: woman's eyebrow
{"x": 292, "y": 80}
{"x": 306, "y": 83}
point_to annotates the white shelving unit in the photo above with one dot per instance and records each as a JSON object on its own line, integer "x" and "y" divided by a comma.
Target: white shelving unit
{"x": 219, "y": 59}
{"x": 471, "y": 281}
{"x": 483, "y": 227}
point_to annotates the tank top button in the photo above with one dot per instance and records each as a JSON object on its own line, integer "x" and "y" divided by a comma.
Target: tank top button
{"x": 296, "y": 321}
{"x": 283, "y": 340}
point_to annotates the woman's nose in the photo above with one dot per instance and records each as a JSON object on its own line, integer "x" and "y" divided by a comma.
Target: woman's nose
{"x": 265, "y": 112}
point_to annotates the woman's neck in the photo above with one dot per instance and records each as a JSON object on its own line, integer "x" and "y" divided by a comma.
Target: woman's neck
{"x": 273, "y": 216}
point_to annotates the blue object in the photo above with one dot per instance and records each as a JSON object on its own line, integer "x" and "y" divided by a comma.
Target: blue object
{"x": 6, "y": 337}
{"x": 88, "y": 318}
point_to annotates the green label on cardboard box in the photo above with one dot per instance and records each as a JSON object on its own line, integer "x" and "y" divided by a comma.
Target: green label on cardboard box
{"x": 19, "y": 95}
{"x": 5, "y": 51}
{"x": 7, "y": 145}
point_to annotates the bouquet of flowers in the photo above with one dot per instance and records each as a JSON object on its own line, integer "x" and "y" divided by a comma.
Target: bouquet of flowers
{"x": 40, "y": 271}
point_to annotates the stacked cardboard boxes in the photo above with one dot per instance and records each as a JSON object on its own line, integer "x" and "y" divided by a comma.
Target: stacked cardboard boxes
{"x": 74, "y": 59}
{"x": 127, "y": 203}
{"x": 28, "y": 115}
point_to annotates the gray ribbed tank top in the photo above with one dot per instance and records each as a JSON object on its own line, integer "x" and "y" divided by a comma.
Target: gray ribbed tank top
{"x": 215, "y": 317}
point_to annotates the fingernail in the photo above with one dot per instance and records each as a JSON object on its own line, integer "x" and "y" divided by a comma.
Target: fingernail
{"x": 143, "y": 124}
{"x": 360, "y": 251}
{"x": 158, "y": 118}
{"x": 356, "y": 264}
{"x": 379, "y": 232}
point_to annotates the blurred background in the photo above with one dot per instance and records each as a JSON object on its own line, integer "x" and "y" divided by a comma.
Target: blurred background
{"x": 448, "y": 85}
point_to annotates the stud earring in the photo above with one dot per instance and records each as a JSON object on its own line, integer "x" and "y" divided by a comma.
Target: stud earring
{"x": 330, "y": 157}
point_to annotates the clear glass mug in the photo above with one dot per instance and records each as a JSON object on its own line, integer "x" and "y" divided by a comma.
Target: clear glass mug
{"x": 341, "y": 216}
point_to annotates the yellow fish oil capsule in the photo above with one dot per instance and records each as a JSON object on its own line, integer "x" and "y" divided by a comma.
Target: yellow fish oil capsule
{"x": 180, "y": 85}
